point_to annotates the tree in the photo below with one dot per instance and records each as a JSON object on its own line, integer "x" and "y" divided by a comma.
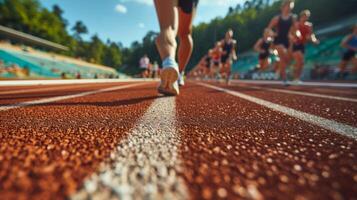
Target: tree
{"x": 79, "y": 29}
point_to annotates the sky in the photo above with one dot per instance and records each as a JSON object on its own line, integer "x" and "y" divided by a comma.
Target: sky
{"x": 127, "y": 21}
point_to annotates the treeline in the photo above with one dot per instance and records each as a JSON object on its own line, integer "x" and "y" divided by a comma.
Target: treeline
{"x": 247, "y": 20}
{"x": 30, "y": 17}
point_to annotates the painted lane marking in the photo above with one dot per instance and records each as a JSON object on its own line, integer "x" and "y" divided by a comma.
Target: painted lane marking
{"x": 331, "y": 125}
{"x": 320, "y": 84}
{"x": 23, "y": 91}
{"x": 71, "y": 81}
{"x": 304, "y": 93}
{"x": 60, "y": 98}
{"x": 145, "y": 164}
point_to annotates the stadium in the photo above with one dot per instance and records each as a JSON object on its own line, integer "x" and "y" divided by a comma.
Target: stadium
{"x": 176, "y": 99}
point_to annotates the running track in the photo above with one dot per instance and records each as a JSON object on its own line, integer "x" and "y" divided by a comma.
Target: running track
{"x": 122, "y": 141}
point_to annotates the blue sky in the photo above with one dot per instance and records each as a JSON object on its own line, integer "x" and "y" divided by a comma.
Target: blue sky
{"x": 127, "y": 20}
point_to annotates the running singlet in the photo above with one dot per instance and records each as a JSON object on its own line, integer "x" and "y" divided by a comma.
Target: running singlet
{"x": 227, "y": 48}
{"x": 187, "y": 6}
{"x": 305, "y": 30}
{"x": 353, "y": 41}
{"x": 283, "y": 29}
{"x": 266, "y": 44}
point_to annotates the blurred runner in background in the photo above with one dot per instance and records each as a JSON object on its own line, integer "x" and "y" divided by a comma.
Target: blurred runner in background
{"x": 283, "y": 25}
{"x": 303, "y": 34}
{"x": 350, "y": 44}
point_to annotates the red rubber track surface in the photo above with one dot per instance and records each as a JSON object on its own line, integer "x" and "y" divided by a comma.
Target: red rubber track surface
{"x": 230, "y": 148}
{"x": 341, "y": 111}
{"x": 46, "y": 151}
{"x": 231, "y": 144}
{"x": 38, "y": 92}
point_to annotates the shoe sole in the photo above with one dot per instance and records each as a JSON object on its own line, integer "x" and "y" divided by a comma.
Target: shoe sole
{"x": 168, "y": 77}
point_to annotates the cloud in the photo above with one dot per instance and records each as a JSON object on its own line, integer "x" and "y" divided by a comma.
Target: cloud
{"x": 145, "y": 2}
{"x": 121, "y": 8}
{"x": 141, "y": 25}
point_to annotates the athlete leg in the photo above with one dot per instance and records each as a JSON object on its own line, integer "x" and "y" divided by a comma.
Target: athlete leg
{"x": 354, "y": 69}
{"x": 263, "y": 63}
{"x": 283, "y": 55}
{"x": 168, "y": 19}
{"x": 299, "y": 64}
{"x": 185, "y": 37}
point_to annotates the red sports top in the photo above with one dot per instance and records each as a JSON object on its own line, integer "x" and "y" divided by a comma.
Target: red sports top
{"x": 305, "y": 30}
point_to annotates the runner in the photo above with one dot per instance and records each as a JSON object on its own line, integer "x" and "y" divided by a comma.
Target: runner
{"x": 175, "y": 18}
{"x": 207, "y": 64}
{"x": 263, "y": 47}
{"x": 283, "y": 25}
{"x": 350, "y": 44}
{"x": 228, "y": 54}
{"x": 216, "y": 64}
{"x": 304, "y": 33}
{"x": 144, "y": 66}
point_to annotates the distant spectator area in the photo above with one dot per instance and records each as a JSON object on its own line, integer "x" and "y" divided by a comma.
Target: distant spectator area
{"x": 25, "y": 62}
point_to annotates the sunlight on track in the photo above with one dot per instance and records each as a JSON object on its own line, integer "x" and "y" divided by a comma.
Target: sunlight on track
{"x": 331, "y": 125}
{"x": 145, "y": 164}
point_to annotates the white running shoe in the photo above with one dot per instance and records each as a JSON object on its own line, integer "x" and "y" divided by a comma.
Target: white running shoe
{"x": 169, "y": 77}
{"x": 181, "y": 80}
{"x": 297, "y": 82}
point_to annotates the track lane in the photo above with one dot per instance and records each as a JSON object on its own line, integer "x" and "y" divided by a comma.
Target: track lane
{"x": 48, "y": 92}
{"x": 340, "y": 92}
{"x": 47, "y": 150}
{"x": 337, "y": 110}
{"x": 236, "y": 149}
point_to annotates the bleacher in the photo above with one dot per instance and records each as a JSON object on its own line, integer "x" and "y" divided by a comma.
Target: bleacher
{"x": 45, "y": 65}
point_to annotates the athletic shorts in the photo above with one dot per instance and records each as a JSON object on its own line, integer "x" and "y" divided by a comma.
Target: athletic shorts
{"x": 299, "y": 47}
{"x": 348, "y": 55}
{"x": 216, "y": 63}
{"x": 263, "y": 56}
{"x": 282, "y": 41}
{"x": 187, "y": 6}
{"x": 224, "y": 59}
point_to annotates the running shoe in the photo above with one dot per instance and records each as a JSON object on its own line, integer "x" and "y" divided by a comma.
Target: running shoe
{"x": 286, "y": 83}
{"x": 181, "y": 80}
{"x": 169, "y": 77}
{"x": 297, "y": 82}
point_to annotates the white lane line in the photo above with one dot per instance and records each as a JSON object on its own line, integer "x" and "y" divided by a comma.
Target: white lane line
{"x": 60, "y": 98}
{"x": 22, "y": 91}
{"x": 70, "y": 81}
{"x": 320, "y": 84}
{"x": 145, "y": 164}
{"x": 304, "y": 93}
{"x": 331, "y": 125}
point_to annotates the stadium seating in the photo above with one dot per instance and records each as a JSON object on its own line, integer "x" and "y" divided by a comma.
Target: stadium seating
{"x": 44, "y": 65}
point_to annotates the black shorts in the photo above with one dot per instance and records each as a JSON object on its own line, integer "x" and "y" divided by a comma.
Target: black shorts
{"x": 299, "y": 47}
{"x": 282, "y": 41}
{"x": 187, "y": 6}
{"x": 263, "y": 56}
{"x": 216, "y": 63}
{"x": 224, "y": 59}
{"x": 348, "y": 55}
